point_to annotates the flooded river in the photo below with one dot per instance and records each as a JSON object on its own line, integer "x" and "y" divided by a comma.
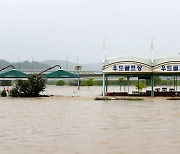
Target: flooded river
{"x": 72, "y": 122}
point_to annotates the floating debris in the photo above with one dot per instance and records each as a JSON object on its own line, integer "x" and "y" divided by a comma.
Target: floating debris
{"x": 118, "y": 98}
{"x": 173, "y": 98}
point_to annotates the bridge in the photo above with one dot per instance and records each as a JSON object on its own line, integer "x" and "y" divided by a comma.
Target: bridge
{"x": 83, "y": 74}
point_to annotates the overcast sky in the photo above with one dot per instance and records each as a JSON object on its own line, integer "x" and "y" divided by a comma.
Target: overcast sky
{"x": 57, "y": 29}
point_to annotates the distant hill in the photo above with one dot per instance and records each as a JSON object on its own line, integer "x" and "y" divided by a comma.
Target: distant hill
{"x": 62, "y": 63}
{"x": 26, "y": 65}
{"x": 4, "y": 63}
{"x": 30, "y": 65}
{"x": 71, "y": 66}
{"x": 92, "y": 67}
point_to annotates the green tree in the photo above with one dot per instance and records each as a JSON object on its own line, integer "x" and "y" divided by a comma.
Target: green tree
{"x": 157, "y": 80}
{"x": 148, "y": 82}
{"x": 120, "y": 82}
{"x": 29, "y": 88}
{"x": 89, "y": 82}
{"x": 140, "y": 85}
{"x": 3, "y": 93}
{"x": 60, "y": 83}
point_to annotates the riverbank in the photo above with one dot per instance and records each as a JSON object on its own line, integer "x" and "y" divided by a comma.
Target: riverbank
{"x": 92, "y": 98}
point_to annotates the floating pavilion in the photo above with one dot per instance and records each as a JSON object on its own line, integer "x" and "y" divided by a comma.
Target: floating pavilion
{"x": 143, "y": 69}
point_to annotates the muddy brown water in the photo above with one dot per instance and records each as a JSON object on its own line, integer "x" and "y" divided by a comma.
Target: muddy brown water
{"x": 72, "y": 122}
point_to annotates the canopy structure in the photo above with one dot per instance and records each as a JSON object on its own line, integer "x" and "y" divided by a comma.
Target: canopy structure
{"x": 13, "y": 74}
{"x": 141, "y": 68}
{"x": 61, "y": 74}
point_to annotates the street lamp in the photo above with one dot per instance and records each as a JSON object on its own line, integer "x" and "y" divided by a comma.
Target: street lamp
{"x": 78, "y": 67}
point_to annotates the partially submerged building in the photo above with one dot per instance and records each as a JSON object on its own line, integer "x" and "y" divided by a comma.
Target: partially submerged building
{"x": 142, "y": 69}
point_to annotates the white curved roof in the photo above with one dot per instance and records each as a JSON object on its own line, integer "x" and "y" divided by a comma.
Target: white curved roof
{"x": 120, "y": 65}
{"x": 127, "y": 59}
{"x": 142, "y": 60}
{"x": 166, "y": 60}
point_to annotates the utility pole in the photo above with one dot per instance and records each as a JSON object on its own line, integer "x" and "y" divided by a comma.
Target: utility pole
{"x": 152, "y": 65}
{"x": 19, "y": 62}
{"x": 104, "y": 50}
{"x": 78, "y": 68}
{"x": 32, "y": 64}
{"x": 67, "y": 63}
{"x": 152, "y": 52}
{"x": 78, "y": 73}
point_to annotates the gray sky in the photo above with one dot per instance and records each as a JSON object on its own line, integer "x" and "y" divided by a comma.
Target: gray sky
{"x": 56, "y": 29}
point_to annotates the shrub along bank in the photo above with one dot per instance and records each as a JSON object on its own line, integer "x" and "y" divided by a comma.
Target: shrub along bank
{"x": 29, "y": 88}
{"x": 119, "y": 82}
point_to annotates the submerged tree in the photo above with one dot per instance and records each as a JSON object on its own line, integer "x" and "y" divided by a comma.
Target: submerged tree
{"x": 3, "y": 93}
{"x": 60, "y": 83}
{"x": 157, "y": 81}
{"x": 140, "y": 85}
{"x": 89, "y": 82}
{"x": 29, "y": 88}
{"x": 120, "y": 82}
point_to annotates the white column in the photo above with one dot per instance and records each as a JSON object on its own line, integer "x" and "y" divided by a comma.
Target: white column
{"x": 104, "y": 84}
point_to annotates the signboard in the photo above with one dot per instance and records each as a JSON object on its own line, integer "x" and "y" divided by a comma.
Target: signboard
{"x": 168, "y": 68}
{"x": 78, "y": 67}
{"x": 127, "y": 68}
{"x": 140, "y": 66}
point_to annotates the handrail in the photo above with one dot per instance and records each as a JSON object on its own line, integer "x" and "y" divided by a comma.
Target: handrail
{"x": 7, "y": 67}
{"x": 49, "y": 69}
